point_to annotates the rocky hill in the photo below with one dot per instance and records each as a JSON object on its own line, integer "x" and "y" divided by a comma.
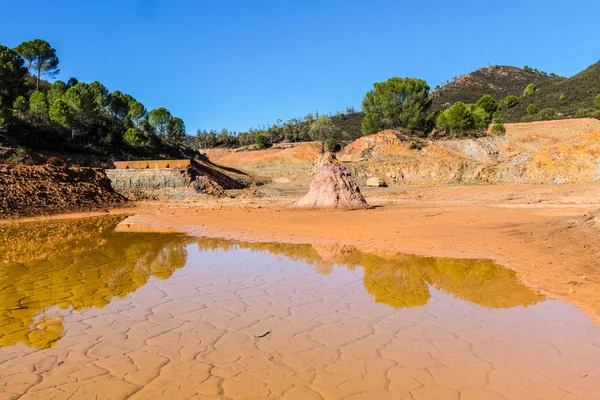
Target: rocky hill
{"x": 497, "y": 81}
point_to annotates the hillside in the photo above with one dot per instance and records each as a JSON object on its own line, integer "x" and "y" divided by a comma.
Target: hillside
{"x": 578, "y": 91}
{"x": 563, "y": 151}
{"x": 497, "y": 81}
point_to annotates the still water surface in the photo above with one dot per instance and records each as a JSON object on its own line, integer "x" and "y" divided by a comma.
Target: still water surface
{"x": 98, "y": 308}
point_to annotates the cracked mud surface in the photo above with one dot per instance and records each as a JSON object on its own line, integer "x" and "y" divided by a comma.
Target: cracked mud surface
{"x": 90, "y": 312}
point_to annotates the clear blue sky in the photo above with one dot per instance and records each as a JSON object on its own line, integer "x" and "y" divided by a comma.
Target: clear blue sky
{"x": 238, "y": 63}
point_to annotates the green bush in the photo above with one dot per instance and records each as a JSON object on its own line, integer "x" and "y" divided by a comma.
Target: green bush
{"x": 561, "y": 97}
{"x": 547, "y": 114}
{"x": 532, "y": 109}
{"x": 262, "y": 141}
{"x": 481, "y": 118}
{"x": 497, "y": 117}
{"x": 498, "y": 129}
{"x": 456, "y": 118}
{"x": 509, "y": 101}
{"x": 597, "y": 100}
{"x": 487, "y": 103}
{"x": 332, "y": 145}
{"x": 529, "y": 90}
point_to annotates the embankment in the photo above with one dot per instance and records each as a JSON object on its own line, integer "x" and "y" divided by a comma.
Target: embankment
{"x": 535, "y": 153}
{"x": 564, "y": 151}
{"x": 175, "y": 179}
{"x": 284, "y": 162}
{"x": 40, "y": 190}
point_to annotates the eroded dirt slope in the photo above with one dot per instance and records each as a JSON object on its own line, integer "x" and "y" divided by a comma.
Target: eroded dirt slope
{"x": 283, "y": 162}
{"x": 564, "y": 151}
{"x": 32, "y": 191}
{"x": 549, "y": 152}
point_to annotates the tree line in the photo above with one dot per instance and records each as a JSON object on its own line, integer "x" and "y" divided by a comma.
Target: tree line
{"x": 341, "y": 127}
{"x": 75, "y": 115}
{"x": 88, "y": 117}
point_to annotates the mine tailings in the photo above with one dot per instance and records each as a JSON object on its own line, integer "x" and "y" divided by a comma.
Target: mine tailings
{"x": 173, "y": 179}
{"x": 39, "y": 190}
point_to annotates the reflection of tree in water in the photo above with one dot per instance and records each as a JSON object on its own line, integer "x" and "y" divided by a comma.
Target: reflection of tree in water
{"x": 74, "y": 264}
{"x": 403, "y": 280}
{"x": 83, "y": 263}
{"x": 478, "y": 281}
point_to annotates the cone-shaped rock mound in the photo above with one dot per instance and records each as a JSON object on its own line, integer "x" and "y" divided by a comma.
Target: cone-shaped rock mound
{"x": 334, "y": 187}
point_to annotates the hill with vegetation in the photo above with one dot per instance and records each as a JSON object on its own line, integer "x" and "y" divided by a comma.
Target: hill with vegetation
{"x": 496, "y": 81}
{"x": 86, "y": 118}
{"x": 77, "y": 117}
{"x": 572, "y": 97}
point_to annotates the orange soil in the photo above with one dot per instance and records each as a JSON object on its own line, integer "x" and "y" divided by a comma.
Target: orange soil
{"x": 288, "y": 152}
{"x": 531, "y": 229}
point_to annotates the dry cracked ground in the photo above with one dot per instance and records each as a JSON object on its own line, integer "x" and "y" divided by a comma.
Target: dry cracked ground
{"x": 122, "y": 313}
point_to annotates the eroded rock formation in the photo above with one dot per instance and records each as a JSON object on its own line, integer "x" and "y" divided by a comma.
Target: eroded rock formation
{"x": 333, "y": 186}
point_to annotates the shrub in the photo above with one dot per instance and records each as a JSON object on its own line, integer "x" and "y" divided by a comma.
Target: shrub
{"x": 415, "y": 145}
{"x": 547, "y": 114}
{"x": 583, "y": 113}
{"x": 457, "y": 118}
{"x": 532, "y": 109}
{"x": 481, "y": 118}
{"x": 529, "y": 90}
{"x": 487, "y": 103}
{"x": 332, "y": 145}
{"x": 597, "y": 100}
{"x": 498, "y": 129}
{"x": 497, "y": 117}
{"x": 509, "y": 101}
{"x": 561, "y": 97}
{"x": 262, "y": 141}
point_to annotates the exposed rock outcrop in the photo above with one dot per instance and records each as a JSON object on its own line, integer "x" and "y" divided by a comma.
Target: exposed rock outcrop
{"x": 376, "y": 182}
{"x": 325, "y": 158}
{"x": 333, "y": 186}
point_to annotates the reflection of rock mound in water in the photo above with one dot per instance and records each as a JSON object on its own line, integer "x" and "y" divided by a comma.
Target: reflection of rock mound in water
{"x": 333, "y": 186}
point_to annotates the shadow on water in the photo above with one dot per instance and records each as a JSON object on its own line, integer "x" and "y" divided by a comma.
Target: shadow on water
{"x": 84, "y": 263}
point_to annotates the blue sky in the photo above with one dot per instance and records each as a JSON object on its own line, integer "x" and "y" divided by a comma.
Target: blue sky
{"x": 240, "y": 64}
